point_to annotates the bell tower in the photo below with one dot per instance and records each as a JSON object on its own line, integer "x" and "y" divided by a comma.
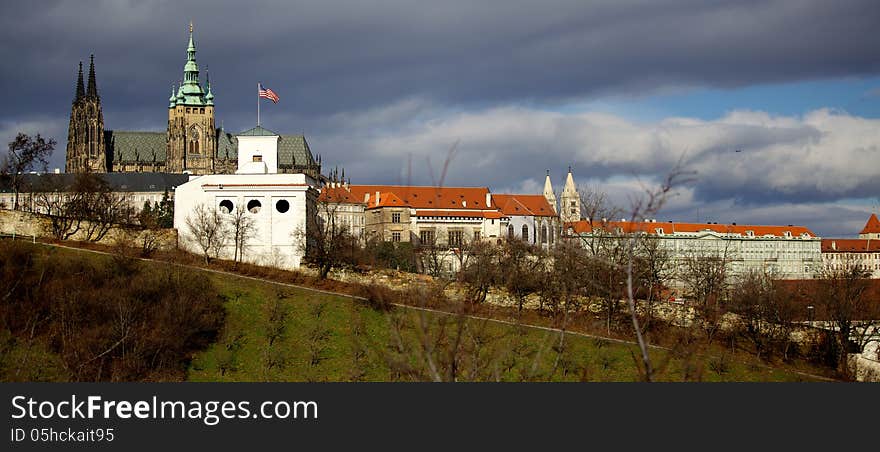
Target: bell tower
{"x": 86, "y": 151}
{"x": 191, "y": 137}
{"x": 570, "y": 205}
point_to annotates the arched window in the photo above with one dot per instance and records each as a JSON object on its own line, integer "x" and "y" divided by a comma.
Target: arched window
{"x": 510, "y": 231}
{"x": 254, "y": 206}
{"x": 543, "y": 234}
{"x": 194, "y": 134}
{"x": 525, "y": 233}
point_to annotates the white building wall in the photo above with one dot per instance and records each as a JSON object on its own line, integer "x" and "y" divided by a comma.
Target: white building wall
{"x": 279, "y": 222}
{"x": 264, "y": 146}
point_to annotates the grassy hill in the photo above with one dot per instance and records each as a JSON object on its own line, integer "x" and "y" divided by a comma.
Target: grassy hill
{"x": 335, "y": 338}
{"x": 276, "y": 332}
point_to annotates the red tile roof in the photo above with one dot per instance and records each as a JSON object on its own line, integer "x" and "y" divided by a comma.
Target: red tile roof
{"x": 424, "y": 197}
{"x": 459, "y": 213}
{"x": 850, "y": 245}
{"x": 338, "y": 194}
{"x": 872, "y": 226}
{"x": 584, "y": 226}
{"x": 527, "y": 205}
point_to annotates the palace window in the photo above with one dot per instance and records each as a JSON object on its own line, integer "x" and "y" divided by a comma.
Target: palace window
{"x": 395, "y": 236}
{"x": 510, "y": 232}
{"x": 543, "y": 234}
{"x": 426, "y": 237}
{"x": 254, "y": 206}
{"x": 525, "y": 233}
{"x": 282, "y": 206}
{"x": 455, "y": 238}
{"x": 476, "y": 235}
{"x": 395, "y": 217}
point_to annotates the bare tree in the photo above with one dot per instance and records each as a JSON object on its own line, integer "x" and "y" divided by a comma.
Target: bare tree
{"x": 654, "y": 269}
{"x": 765, "y": 312}
{"x": 327, "y": 241}
{"x": 207, "y": 230}
{"x": 844, "y": 297}
{"x": 99, "y": 206}
{"x": 431, "y": 255}
{"x": 242, "y": 229}
{"x": 706, "y": 275}
{"x": 25, "y": 154}
{"x": 60, "y": 206}
{"x": 520, "y": 272}
{"x": 481, "y": 272}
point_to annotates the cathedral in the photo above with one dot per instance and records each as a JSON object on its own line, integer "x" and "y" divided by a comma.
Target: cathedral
{"x": 190, "y": 144}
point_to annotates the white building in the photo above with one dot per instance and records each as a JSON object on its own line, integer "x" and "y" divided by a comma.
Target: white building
{"x": 788, "y": 252}
{"x": 863, "y": 252}
{"x": 278, "y": 204}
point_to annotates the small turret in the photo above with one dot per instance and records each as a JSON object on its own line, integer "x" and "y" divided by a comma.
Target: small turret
{"x": 209, "y": 96}
{"x": 172, "y": 101}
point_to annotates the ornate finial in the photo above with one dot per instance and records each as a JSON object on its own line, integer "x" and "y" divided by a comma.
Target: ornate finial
{"x": 190, "y": 26}
{"x": 569, "y": 168}
{"x": 548, "y": 173}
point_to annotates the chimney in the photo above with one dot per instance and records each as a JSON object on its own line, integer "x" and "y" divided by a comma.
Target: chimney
{"x": 377, "y": 198}
{"x": 366, "y": 198}
{"x": 488, "y": 199}
{"x": 834, "y": 245}
{"x": 464, "y": 203}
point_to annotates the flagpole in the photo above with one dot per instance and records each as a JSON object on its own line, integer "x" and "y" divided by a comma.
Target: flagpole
{"x": 258, "y": 103}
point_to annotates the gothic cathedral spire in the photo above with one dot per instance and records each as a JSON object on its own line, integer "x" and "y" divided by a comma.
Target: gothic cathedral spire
{"x": 80, "y": 87}
{"x": 93, "y": 86}
{"x": 86, "y": 150}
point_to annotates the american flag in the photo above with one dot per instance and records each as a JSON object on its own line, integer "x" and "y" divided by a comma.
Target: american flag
{"x": 268, "y": 94}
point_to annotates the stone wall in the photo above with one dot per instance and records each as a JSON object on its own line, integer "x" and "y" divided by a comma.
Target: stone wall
{"x": 28, "y": 224}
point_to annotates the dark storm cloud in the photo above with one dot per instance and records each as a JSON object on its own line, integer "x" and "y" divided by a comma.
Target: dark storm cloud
{"x": 383, "y": 88}
{"x": 328, "y": 57}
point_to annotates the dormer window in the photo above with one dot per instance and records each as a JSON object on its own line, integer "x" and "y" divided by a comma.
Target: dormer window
{"x": 787, "y": 234}
{"x": 750, "y": 233}
{"x": 659, "y": 231}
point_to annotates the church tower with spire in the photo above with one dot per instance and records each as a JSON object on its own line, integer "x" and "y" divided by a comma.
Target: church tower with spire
{"x": 86, "y": 151}
{"x": 548, "y": 193}
{"x": 191, "y": 136}
{"x": 570, "y": 205}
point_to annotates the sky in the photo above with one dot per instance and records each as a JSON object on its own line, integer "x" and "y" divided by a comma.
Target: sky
{"x": 773, "y": 107}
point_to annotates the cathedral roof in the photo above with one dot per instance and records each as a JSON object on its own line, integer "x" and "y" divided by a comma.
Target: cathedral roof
{"x": 124, "y": 145}
{"x": 294, "y": 150}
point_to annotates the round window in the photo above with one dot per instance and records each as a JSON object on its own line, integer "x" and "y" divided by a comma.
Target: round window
{"x": 226, "y": 206}
{"x": 254, "y": 206}
{"x": 282, "y": 206}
